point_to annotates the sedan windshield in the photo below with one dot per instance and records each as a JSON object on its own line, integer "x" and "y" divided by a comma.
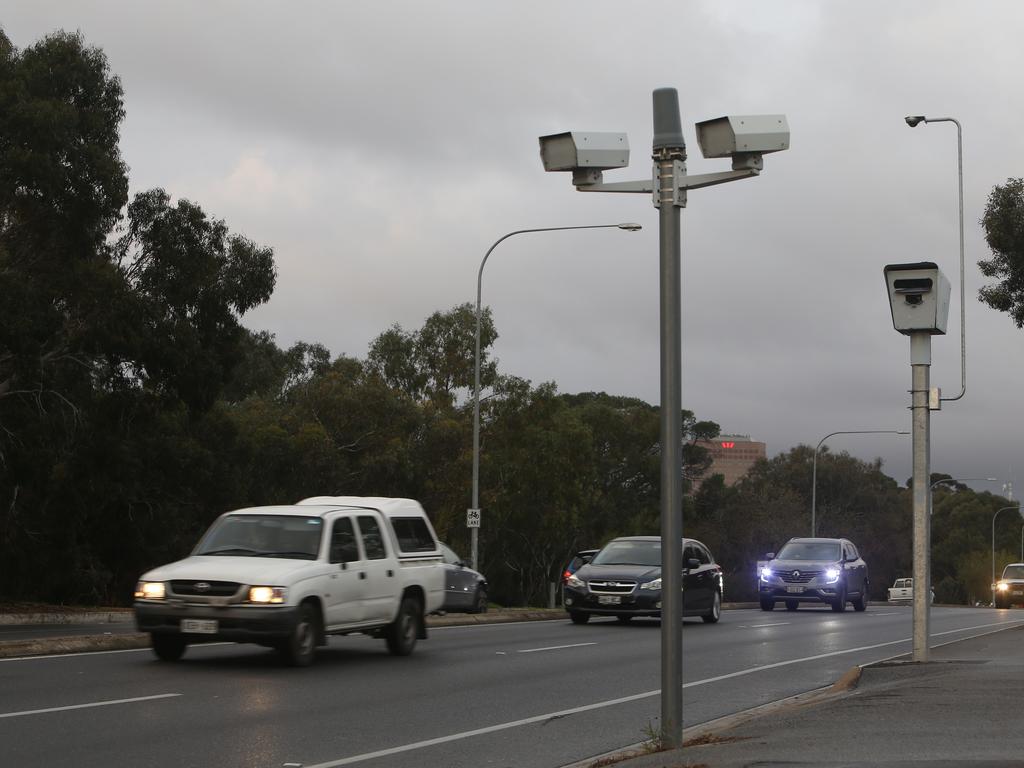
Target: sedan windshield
{"x": 810, "y": 550}
{"x": 1013, "y": 572}
{"x": 287, "y": 536}
{"x": 629, "y": 553}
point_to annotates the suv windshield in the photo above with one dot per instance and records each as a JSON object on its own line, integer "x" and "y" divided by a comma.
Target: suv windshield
{"x": 810, "y": 550}
{"x": 629, "y": 553}
{"x": 1013, "y": 572}
{"x": 287, "y": 536}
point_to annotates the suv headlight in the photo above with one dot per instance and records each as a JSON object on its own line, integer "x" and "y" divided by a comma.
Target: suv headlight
{"x": 267, "y": 595}
{"x": 656, "y": 584}
{"x": 150, "y": 590}
{"x": 575, "y": 581}
{"x": 766, "y": 574}
{"x": 832, "y": 575}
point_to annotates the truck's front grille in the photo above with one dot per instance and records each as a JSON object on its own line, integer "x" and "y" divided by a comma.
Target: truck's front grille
{"x": 200, "y": 588}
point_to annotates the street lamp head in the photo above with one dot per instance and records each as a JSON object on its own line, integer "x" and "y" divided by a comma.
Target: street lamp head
{"x": 914, "y": 120}
{"x": 631, "y": 227}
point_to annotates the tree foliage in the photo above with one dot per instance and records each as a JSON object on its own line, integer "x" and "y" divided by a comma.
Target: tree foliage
{"x": 1003, "y": 223}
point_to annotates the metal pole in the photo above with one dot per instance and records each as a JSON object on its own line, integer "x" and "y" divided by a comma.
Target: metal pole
{"x": 920, "y": 360}
{"x": 669, "y": 154}
{"x": 814, "y": 463}
{"x": 474, "y": 532}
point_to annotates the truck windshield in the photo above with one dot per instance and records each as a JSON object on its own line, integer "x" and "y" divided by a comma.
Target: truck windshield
{"x": 286, "y": 536}
{"x": 810, "y": 550}
{"x": 1013, "y": 572}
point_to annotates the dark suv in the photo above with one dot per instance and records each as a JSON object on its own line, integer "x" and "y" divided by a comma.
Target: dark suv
{"x": 815, "y": 570}
{"x": 624, "y": 580}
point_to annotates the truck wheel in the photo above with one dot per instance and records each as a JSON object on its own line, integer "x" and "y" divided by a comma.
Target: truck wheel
{"x": 578, "y": 617}
{"x": 401, "y": 634}
{"x": 167, "y": 647}
{"x": 297, "y": 650}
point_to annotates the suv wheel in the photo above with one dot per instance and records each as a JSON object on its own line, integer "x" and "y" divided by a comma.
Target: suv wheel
{"x": 792, "y": 605}
{"x": 839, "y": 604}
{"x": 861, "y": 603}
{"x": 767, "y": 604}
{"x": 167, "y": 647}
{"x": 712, "y": 616}
{"x": 401, "y": 634}
{"x": 578, "y": 617}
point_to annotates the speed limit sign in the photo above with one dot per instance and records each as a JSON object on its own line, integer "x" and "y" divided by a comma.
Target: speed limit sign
{"x": 472, "y": 518}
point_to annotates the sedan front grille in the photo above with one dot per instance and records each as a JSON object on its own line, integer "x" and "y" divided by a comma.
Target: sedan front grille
{"x": 606, "y": 587}
{"x": 200, "y": 588}
{"x": 797, "y": 576}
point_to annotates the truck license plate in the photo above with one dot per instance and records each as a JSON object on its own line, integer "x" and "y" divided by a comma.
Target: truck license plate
{"x": 199, "y": 626}
{"x": 1018, "y": 592}
{"x": 795, "y": 590}
{"x": 609, "y": 599}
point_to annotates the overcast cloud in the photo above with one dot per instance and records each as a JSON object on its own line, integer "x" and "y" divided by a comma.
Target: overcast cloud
{"x": 381, "y": 147}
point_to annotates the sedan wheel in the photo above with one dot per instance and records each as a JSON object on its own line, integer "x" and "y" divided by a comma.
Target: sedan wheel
{"x": 712, "y": 616}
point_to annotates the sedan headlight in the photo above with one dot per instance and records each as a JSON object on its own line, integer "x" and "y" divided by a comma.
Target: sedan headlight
{"x": 1002, "y": 586}
{"x": 268, "y": 595}
{"x": 150, "y": 590}
{"x": 576, "y": 582}
{"x": 832, "y": 575}
{"x": 656, "y": 584}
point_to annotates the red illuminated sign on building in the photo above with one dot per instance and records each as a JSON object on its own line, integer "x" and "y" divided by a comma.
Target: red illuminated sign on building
{"x": 728, "y": 445}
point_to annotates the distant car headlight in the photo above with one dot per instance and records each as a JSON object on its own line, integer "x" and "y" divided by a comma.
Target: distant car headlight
{"x": 575, "y": 581}
{"x": 150, "y": 590}
{"x": 268, "y": 595}
{"x": 1002, "y": 586}
{"x": 832, "y": 575}
{"x": 656, "y": 584}
{"x": 766, "y": 574}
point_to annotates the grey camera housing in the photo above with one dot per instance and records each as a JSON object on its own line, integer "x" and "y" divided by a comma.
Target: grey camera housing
{"x": 744, "y": 138}
{"x": 584, "y": 151}
{"x": 918, "y": 297}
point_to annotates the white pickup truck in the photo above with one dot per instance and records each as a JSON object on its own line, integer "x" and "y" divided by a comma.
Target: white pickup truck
{"x": 902, "y": 591}
{"x": 289, "y": 576}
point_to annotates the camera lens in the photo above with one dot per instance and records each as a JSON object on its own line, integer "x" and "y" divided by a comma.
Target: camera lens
{"x": 914, "y": 299}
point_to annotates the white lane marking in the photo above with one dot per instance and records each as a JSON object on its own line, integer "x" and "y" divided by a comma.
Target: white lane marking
{"x": 87, "y": 706}
{"x": 758, "y": 626}
{"x": 555, "y": 647}
{"x": 98, "y": 653}
{"x": 482, "y": 731}
{"x": 894, "y": 613}
{"x": 613, "y": 702}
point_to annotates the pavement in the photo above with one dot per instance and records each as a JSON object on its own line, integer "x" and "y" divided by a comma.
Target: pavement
{"x": 961, "y": 708}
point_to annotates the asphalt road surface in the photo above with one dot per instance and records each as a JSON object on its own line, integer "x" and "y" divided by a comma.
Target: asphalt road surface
{"x": 537, "y": 694}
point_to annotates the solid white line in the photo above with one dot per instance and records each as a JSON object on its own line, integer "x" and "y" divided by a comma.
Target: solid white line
{"x": 555, "y": 647}
{"x": 894, "y": 613}
{"x": 758, "y": 626}
{"x": 610, "y": 703}
{"x": 86, "y": 706}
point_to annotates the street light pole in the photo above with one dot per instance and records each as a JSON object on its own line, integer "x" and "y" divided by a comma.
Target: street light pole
{"x": 913, "y": 122}
{"x": 814, "y": 463}
{"x": 1001, "y": 509}
{"x": 474, "y": 531}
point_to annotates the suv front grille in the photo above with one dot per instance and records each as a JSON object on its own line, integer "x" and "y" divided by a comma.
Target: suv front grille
{"x": 605, "y": 587}
{"x": 200, "y": 588}
{"x": 797, "y": 576}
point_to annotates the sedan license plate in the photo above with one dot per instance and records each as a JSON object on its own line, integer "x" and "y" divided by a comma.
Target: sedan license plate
{"x": 609, "y": 599}
{"x": 796, "y": 590}
{"x": 199, "y": 626}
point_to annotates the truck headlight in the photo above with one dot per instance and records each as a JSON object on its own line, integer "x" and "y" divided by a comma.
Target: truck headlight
{"x": 575, "y": 581}
{"x": 1002, "y": 586}
{"x": 150, "y": 590}
{"x": 656, "y": 584}
{"x": 267, "y": 595}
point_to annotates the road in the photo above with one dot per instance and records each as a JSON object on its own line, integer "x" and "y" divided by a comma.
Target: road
{"x": 538, "y": 694}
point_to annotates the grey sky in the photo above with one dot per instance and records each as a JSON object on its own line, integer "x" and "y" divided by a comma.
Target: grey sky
{"x": 381, "y": 147}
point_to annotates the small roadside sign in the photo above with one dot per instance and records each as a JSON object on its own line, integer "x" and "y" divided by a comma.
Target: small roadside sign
{"x": 472, "y": 518}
